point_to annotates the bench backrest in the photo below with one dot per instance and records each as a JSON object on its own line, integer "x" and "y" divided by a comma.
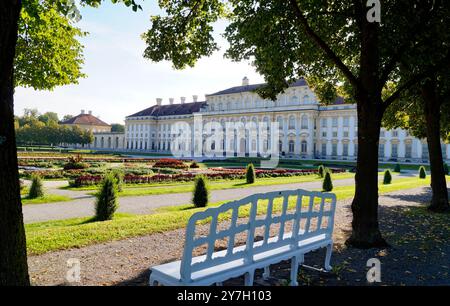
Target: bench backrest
{"x": 302, "y": 213}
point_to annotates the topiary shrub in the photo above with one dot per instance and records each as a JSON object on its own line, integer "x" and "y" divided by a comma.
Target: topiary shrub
{"x": 422, "y": 172}
{"x": 387, "y": 177}
{"x": 194, "y": 165}
{"x": 321, "y": 170}
{"x": 327, "y": 184}
{"x": 446, "y": 170}
{"x": 397, "y": 168}
{"x": 250, "y": 174}
{"x": 118, "y": 175}
{"x": 106, "y": 203}
{"x": 201, "y": 194}
{"x": 36, "y": 189}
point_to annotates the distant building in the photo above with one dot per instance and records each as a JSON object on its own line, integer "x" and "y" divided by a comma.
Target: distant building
{"x": 88, "y": 122}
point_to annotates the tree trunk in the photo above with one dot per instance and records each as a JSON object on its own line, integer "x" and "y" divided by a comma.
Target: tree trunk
{"x": 439, "y": 201}
{"x": 13, "y": 255}
{"x": 365, "y": 230}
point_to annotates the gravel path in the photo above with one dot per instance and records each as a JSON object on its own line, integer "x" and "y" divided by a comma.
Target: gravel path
{"x": 84, "y": 206}
{"x": 419, "y": 256}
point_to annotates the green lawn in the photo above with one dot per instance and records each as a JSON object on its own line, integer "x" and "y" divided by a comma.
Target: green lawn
{"x": 48, "y": 198}
{"x": 166, "y": 188}
{"x": 56, "y": 235}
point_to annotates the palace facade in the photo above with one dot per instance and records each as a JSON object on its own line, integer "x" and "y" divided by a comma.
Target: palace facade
{"x": 307, "y": 128}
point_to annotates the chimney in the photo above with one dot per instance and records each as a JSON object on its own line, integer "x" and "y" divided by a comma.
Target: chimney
{"x": 158, "y": 101}
{"x": 245, "y": 81}
{"x": 171, "y": 101}
{"x": 82, "y": 111}
{"x": 183, "y": 99}
{"x": 90, "y": 112}
{"x": 195, "y": 97}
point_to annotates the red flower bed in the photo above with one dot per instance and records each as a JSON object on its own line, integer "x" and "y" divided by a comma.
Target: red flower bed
{"x": 170, "y": 163}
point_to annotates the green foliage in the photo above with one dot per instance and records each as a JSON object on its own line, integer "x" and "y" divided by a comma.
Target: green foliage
{"x": 250, "y": 174}
{"x": 106, "y": 203}
{"x": 36, "y": 189}
{"x": 38, "y": 133}
{"x": 201, "y": 193}
{"x": 422, "y": 172}
{"x": 387, "y": 177}
{"x": 327, "y": 184}
{"x": 117, "y": 128}
{"x": 321, "y": 170}
{"x": 118, "y": 175}
{"x": 446, "y": 170}
{"x": 397, "y": 168}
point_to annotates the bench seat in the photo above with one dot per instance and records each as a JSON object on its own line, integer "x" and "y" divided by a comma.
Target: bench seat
{"x": 169, "y": 274}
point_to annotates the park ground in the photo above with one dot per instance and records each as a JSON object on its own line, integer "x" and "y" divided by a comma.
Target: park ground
{"x": 148, "y": 230}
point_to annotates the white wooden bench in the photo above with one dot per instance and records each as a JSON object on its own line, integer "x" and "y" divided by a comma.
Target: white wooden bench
{"x": 302, "y": 229}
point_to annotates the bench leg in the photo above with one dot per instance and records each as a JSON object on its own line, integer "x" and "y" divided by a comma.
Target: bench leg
{"x": 249, "y": 278}
{"x": 328, "y": 257}
{"x": 294, "y": 270}
{"x": 152, "y": 281}
{"x": 266, "y": 273}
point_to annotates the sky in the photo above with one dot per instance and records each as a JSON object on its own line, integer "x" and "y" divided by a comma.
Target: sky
{"x": 120, "y": 81}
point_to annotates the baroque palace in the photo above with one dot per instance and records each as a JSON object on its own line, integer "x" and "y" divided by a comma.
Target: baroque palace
{"x": 307, "y": 128}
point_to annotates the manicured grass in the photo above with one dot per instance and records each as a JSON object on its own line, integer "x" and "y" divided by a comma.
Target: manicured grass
{"x": 48, "y": 198}
{"x": 55, "y": 235}
{"x": 138, "y": 190}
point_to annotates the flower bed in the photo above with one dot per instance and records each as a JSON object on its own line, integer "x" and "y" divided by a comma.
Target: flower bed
{"x": 170, "y": 163}
{"x": 214, "y": 174}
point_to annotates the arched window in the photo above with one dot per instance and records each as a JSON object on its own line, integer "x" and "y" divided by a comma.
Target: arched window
{"x": 280, "y": 122}
{"x": 280, "y": 146}
{"x": 306, "y": 99}
{"x": 291, "y": 146}
{"x": 304, "y": 146}
{"x": 304, "y": 122}
{"x": 291, "y": 122}
{"x": 220, "y": 106}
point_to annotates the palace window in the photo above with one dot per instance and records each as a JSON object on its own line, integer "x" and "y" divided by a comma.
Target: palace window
{"x": 394, "y": 133}
{"x": 324, "y": 149}
{"x": 291, "y": 146}
{"x": 335, "y": 121}
{"x": 334, "y": 149}
{"x": 291, "y": 122}
{"x": 280, "y": 122}
{"x": 304, "y": 146}
{"x": 425, "y": 153}
{"x": 324, "y": 134}
{"x": 324, "y": 122}
{"x": 304, "y": 122}
{"x": 346, "y": 134}
{"x": 335, "y": 134}
{"x": 408, "y": 150}
{"x": 345, "y": 149}
{"x": 394, "y": 152}
{"x": 381, "y": 150}
{"x": 346, "y": 121}
{"x": 280, "y": 146}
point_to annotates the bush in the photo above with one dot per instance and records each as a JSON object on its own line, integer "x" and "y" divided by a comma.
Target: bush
{"x": 36, "y": 189}
{"x": 75, "y": 163}
{"x": 321, "y": 170}
{"x": 397, "y": 168}
{"x": 194, "y": 165}
{"x": 446, "y": 170}
{"x": 422, "y": 172}
{"x": 250, "y": 174}
{"x": 119, "y": 179}
{"x": 387, "y": 177}
{"x": 106, "y": 203}
{"x": 201, "y": 194}
{"x": 327, "y": 184}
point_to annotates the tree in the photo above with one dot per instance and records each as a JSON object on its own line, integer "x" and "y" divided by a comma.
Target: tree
{"x": 13, "y": 258}
{"x": 49, "y": 118}
{"x": 250, "y": 174}
{"x": 331, "y": 43}
{"x": 327, "y": 184}
{"x": 118, "y": 128}
{"x": 36, "y": 189}
{"x": 200, "y": 196}
{"x": 320, "y": 170}
{"x": 387, "y": 179}
{"x": 106, "y": 203}
{"x": 422, "y": 172}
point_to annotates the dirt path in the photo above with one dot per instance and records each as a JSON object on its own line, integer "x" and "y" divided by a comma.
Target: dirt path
{"x": 419, "y": 256}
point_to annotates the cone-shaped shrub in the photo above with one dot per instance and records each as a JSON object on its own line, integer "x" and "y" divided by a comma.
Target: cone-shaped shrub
{"x": 327, "y": 184}
{"x": 397, "y": 168}
{"x": 200, "y": 196}
{"x": 250, "y": 174}
{"x": 119, "y": 179}
{"x": 387, "y": 177}
{"x": 106, "y": 203}
{"x": 36, "y": 189}
{"x": 321, "y": 170}
{"x": 422, "y": 172}
{"x": 446, "y": 170}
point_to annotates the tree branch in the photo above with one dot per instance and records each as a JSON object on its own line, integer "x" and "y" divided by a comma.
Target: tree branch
{"x": 323, "y": 45}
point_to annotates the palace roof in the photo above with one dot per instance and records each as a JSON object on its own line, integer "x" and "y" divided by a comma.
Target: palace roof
{"x": 85, "y": 119}
{"x": 170, "y": 109}
{"x": 253, "y": 87}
